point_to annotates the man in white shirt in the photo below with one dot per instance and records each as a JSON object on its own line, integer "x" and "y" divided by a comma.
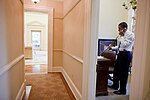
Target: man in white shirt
{"x": 124, "y": 57}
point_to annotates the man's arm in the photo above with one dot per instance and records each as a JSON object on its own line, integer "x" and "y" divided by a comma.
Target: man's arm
{"x": 127, "y": 40}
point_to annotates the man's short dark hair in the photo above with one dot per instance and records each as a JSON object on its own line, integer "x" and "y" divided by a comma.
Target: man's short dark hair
{"x": 123, "y": 25}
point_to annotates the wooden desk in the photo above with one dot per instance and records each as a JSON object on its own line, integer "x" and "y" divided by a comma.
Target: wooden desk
{"x": 102, "y": 76}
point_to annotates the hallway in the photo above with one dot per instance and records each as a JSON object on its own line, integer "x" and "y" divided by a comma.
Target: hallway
{"x": 51, "y": 86}
{"x": 72, "y": 44}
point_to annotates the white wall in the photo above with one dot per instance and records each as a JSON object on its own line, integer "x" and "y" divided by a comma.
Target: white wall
{"x": 111, "y": 13}
{"x": 36, "y": 21}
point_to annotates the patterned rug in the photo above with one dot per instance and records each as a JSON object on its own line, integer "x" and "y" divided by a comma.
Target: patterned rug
{"x": 51, "y": 86}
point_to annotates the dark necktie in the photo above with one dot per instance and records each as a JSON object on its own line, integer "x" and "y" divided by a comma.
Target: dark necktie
{"x": 118, "y": 47}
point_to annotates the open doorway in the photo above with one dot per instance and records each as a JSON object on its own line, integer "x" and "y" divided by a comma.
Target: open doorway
{"x": 90, "y": 65}
{"x": 108, "y": 34}
{"x": 106, "y": 10}
{"x": 36, "y": 42}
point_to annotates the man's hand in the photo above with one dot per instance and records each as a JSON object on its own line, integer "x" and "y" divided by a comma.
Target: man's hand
{"x": 110, "y": 46}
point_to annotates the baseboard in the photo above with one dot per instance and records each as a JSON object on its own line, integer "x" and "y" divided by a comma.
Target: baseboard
{"x": 57, "y": 69}
{"x": 21, "y": 92}
{"x": 71, "y": 85}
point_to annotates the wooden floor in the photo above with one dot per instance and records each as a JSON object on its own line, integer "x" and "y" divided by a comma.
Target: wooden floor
{"x": 42, "y": 68}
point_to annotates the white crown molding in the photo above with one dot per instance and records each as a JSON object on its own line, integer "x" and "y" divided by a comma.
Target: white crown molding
{"x": 5, "y": 68}
{"x": 35, "y": 23}
{"x": 29, "y": 7}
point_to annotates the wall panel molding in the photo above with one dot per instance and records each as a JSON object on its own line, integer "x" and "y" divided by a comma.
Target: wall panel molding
{"x": 57, "y": 50}
{"x": 73, "y": 56}
{"x": 71, "y": 8}
{"x": 5, "y": 68}
{"x": 69, "y": 54}
{"x": 59, "y": 18}
{"x": 21, "y": 1}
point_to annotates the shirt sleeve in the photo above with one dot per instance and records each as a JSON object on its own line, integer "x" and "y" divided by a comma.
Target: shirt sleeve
{"x": 127, "y": 40}
{"x": 114, "y": 48}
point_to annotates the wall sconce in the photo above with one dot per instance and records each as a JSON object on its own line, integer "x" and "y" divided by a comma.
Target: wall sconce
{"x": 127, "y": 4}
{"x": 130, "y": 4}
{"x": 35, "y": 1}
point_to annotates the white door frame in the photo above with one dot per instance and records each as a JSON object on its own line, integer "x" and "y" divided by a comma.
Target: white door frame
{"x": 90, "y": 49}
{"x": 49, "y": 11}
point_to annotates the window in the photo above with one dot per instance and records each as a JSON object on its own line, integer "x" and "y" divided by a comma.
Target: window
{"x": 36, "y": 39}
